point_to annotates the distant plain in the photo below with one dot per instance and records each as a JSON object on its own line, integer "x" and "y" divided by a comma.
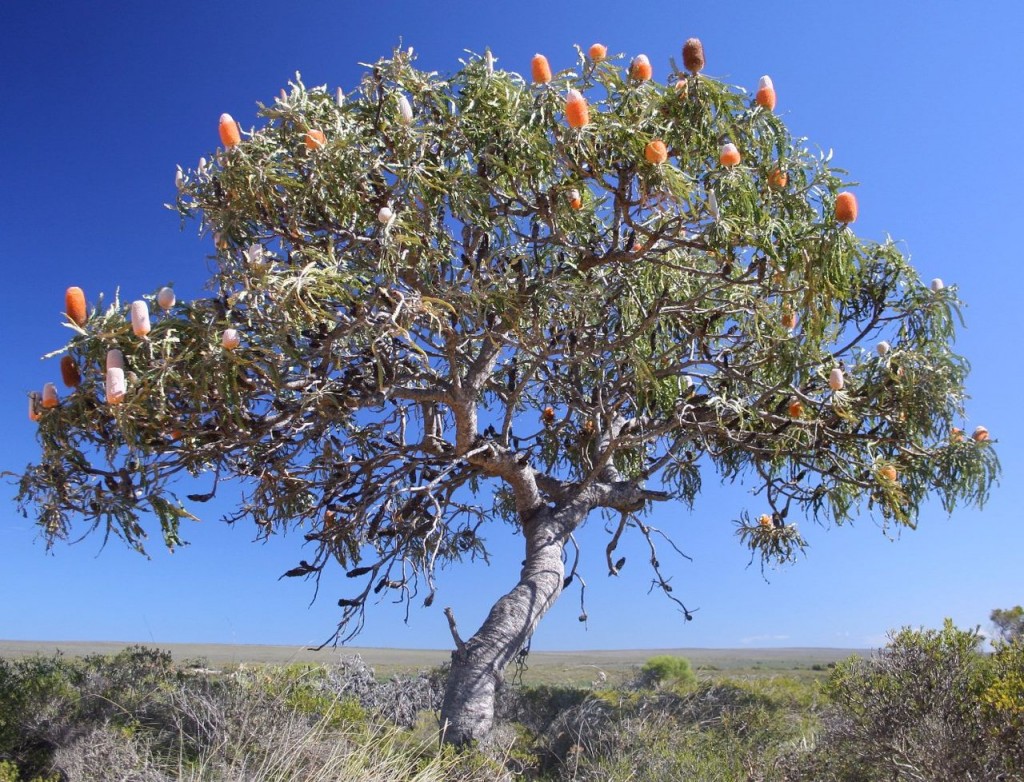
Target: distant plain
{"x": 567, "y": 668}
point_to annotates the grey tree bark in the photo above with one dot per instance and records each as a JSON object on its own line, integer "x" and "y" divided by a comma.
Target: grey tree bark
{"x": 478, "y": 664}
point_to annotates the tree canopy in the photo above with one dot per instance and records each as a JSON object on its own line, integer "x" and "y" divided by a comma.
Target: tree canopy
{"x": 452, "y": 306}
{"x": 1009, "y": 622}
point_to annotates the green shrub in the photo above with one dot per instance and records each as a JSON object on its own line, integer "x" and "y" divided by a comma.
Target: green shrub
{"x": 667, "y": 670}
{"x": 715, "y": 730}
{"x": 9, "y": 773}
{"x": 930, "y": 705}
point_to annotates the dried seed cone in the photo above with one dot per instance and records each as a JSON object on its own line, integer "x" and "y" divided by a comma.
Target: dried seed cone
{"x": 577, "y": 112}
{"x": 50, "y": 399}
{"x": 846, "y": 207}
{"x": 116, "y": 386}
{"x": 693, "y": 55}
{"x": 598, "y": 52}
{"x": 69, "y": 372}
{"x": 656, "y": 152}
{"x": 230, "y": 135}
{"x": 540, "y": 70}
{"x": 140, "y": 318}
{"x": 315, "y": 139}
{"x": 74, "y": 305}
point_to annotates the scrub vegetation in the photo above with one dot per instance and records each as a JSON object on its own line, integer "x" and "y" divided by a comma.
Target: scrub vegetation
{"x": 930, "y": 705}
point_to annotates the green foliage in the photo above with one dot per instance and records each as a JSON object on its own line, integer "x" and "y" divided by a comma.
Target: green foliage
{"x": 306, "y": 689}
{"x": 668, "y": 670}
{"x": 1009, "y": 622}
{"x": 716, "y": 730}
{"x": 9, "y": 773}
{"x": 395, "y": 364}
{"x": 930, "y": 705}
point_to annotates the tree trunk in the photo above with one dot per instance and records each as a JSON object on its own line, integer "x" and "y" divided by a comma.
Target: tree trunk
{"x": 478, "y": 665}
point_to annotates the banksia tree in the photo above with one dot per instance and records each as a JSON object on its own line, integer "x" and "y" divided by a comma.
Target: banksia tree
{"x": 499, "y": 348}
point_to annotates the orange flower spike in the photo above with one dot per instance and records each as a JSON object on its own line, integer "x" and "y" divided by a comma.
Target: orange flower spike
{"x": 728, "y": 155}
{"x": 598, "y": 52}
{"x": 577, "y": 112}
{"x": 656, "y": 152}
{"x": 165, "y": 298}
{"x": 315, "y": 139}
{"x": 540, "y": 69}
{"x": 765, "y": 520}
{"x": 980, "y": 435}
{"x": 50, "y": 399}
{"x": 640, "y": 69}
{"x": 230, "y": 135}
{"x": 795, "y": 407}
{"x": 778, "y": 179}
{"x": 140, "y": 318}
{"x": 765, "y": 97}
{"x": 846, "y": 207}
{"x": 74, "y": 305}
{"x": 230, "y": 339}
{"x": 574, "y": 199}
{"x": 116, "y": 386}
{"x": 888, "y": 473}
{"x": 548, "y": 415}
{"x": 69, "y": 372}
{"x": 693, "y": 55}
{"x": 788, "y": 318}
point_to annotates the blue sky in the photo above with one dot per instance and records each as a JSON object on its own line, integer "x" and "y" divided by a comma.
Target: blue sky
{"x": 102, "y": 100}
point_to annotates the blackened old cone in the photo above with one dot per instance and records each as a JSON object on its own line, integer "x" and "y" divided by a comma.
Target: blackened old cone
{"x": 693, "y": 55}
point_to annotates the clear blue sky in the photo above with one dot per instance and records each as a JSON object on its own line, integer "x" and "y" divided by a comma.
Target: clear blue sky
{"x": 101, "y": 101}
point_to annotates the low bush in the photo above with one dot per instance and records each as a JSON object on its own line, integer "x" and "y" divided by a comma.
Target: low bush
{"x": 666, "y": 670}
{"x": 929, "y": 706}
{"x": 136, "y": 715}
